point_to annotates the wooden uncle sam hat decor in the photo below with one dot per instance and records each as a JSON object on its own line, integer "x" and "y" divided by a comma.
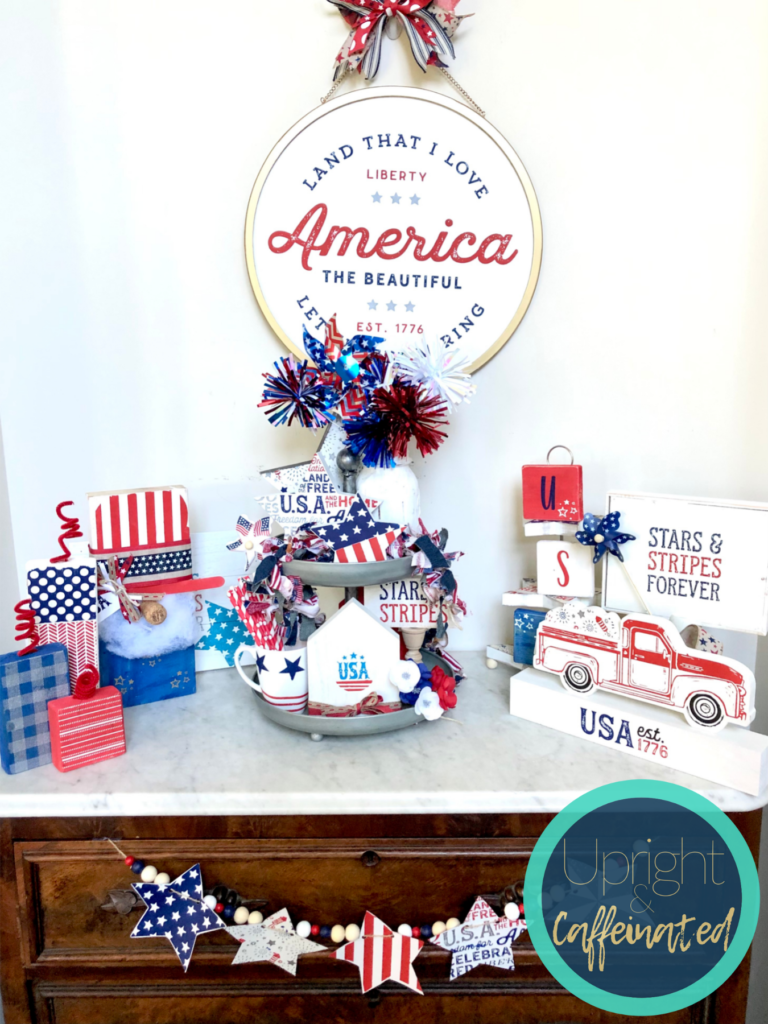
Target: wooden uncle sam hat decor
{"x": 145, "y": 533}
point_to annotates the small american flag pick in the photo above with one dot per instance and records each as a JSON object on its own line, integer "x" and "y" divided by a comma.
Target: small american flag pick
{"x": 382, "y": 955}
{"x": 358, "y": 537}
{"x": 249, "y": 536}
{"x": 176, "y": 912}
{"x": 275, "y": 941}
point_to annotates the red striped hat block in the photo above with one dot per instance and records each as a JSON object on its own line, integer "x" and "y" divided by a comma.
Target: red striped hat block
{"x": 87, "y": 727}
{"x": 151, "y": 525}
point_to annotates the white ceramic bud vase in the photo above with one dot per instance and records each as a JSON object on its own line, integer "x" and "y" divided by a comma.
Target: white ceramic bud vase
{"x": 397, "y": 489}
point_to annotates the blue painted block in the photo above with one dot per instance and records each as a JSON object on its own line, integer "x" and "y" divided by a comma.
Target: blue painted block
{"x": 26, "y": 686}
{"x": 526, "y": 623}
{"x": 145, "y": 680}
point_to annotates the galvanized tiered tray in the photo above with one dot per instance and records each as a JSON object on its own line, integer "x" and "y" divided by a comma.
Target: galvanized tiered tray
{"x": 361, "y": 725}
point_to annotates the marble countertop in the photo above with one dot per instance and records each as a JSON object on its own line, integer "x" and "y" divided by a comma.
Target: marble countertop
{"x": 214, "y": 753}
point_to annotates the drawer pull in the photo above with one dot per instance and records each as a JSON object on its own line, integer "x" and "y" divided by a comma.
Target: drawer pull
{"x": 509, "y": 894}
{"x": 121, "y": 901}
{"x": 370, "y": 859}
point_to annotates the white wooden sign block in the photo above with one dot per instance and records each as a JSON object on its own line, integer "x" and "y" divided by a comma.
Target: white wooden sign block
{"x": 350, "y": 657}
{"x": 527, "y": 599}
{"x": 538, "y": 528}
{"x": 401, "y": 604}
{"x": 698, "y": 559}
{"x": 733, "y": 757}
{"x": 564, "y": 570}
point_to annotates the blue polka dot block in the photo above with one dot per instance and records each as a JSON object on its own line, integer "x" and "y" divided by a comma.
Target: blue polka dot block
{"x": 27, "y": 684}
{"x": 63, "y": 591}
{"x": 145, "y": 680}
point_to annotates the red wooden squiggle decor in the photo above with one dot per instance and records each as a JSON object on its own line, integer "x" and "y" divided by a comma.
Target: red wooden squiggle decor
{"x": 71, "y": 531}
{"x": 27, "y": 630}
{"x": 86, "y": 683}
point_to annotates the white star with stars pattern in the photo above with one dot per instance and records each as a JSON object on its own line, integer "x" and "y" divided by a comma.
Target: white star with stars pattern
{"x": 275, "y": 941}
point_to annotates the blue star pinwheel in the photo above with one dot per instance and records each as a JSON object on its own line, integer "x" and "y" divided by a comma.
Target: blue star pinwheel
{"x": 176, "y": 912}
{"x": 604, "y": 535}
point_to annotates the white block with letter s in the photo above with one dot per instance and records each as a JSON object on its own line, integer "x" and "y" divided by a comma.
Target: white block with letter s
{"x": 564, "y": 569}
{"x": 732, "y": 757}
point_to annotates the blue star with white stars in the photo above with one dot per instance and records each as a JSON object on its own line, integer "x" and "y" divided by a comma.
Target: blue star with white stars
{"x": 176, "y": 912}
{"x": 225, "y": 633}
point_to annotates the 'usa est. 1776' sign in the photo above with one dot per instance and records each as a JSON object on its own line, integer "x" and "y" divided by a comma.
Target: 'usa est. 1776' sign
{"x": 402, "y": 212}
{"x": 700, "y": 559}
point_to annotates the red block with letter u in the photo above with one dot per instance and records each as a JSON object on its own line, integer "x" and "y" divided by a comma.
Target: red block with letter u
{"x": 553, "y": 493}
{"x": 87, "y": 727}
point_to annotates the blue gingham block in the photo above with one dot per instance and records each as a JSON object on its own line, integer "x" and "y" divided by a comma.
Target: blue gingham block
{"x": 26, "y": 686}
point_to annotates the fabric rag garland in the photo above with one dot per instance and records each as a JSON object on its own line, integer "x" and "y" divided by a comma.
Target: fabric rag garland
{"x": 428, "y": 24}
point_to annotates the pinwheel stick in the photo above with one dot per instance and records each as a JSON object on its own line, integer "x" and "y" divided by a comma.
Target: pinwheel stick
{"x": 640, "y": 597}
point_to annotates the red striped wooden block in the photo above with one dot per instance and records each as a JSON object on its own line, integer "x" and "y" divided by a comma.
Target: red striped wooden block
{"x": 85, "y": 731}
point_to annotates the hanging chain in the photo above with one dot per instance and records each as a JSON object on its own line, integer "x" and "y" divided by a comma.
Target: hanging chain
{"x": 335, "y": 85}
{"x": 462, "y": 92}
{"x": 459, "y": 89}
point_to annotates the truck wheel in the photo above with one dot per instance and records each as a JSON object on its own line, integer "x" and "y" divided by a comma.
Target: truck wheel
{"x": 705, "y": 711}
{"x": 578, "y": 678}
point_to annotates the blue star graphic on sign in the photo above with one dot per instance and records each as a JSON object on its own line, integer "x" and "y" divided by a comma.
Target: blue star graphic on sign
{"x": 176, "y": 912}
{"x": 409, "y": 307}
{"x": 225, "y": 633}
{"x": 292, "y": 668}
{"x": 373, "y": 304}
{"x": 396, "y": 198}
{"x": 415, "y": 200}
{"x": 391, "y": 306}
{"x": 376, "y": 197}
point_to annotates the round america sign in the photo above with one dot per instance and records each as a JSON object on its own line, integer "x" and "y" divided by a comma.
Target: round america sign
{"x": 404, "y": 214}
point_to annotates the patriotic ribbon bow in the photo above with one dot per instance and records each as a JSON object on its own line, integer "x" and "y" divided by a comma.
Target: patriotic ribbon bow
{"x": 373, "y": 704}
{"x": 421, "y": 20}
{"x": 112, "y": 582}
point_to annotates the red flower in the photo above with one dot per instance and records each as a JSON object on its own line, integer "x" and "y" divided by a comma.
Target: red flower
{"x": 444, "y": 686}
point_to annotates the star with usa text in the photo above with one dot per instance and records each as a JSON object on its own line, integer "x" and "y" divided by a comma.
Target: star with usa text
{"x": 483, "y": 938}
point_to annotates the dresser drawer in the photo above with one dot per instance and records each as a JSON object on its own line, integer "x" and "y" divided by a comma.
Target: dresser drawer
{"x": 63, "y": 884}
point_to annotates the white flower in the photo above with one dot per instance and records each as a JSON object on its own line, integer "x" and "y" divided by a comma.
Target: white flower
{"x": 428, "y": 704}
{"x": 405, "y": 675}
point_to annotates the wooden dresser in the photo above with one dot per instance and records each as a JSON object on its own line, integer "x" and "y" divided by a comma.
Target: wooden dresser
{"x": 413, "y": 827}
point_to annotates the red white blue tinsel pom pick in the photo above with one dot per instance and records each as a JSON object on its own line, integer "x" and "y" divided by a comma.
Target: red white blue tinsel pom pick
{"x": 410, "y": 413}
{"x": 603, "y": 535}
{"x": 296, "y": 392}
{"x": 440, "y": 371}
{"x": 428, "y": 25}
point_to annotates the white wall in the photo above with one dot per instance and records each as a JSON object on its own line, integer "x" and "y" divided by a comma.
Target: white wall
{"x": 132, "y": 345}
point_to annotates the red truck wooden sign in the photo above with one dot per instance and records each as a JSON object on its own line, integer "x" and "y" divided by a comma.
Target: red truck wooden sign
{"x": 644, "y": 657}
